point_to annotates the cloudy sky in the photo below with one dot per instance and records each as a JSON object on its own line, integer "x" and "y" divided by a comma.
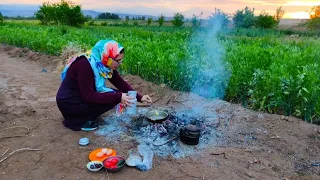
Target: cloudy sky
{"x": 294, "y": 9}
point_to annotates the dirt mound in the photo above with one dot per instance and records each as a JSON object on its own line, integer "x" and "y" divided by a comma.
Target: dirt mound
{"x": 253, "y": 145}
{"x": 26, "y": 55}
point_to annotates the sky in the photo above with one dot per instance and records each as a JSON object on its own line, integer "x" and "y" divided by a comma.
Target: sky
{"x": 294, "y": 9}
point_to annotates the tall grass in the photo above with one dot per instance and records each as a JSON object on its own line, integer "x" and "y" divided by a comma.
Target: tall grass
{"x": 270, "y": 72}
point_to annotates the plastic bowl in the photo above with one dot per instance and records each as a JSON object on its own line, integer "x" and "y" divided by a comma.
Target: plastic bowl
{"x": 84, "y": 141}
{"x": 119, "y": 166}
{"x": 94, "y": 163}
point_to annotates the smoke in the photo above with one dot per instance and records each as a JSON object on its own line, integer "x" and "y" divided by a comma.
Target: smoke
{"x": 209, "y": 73}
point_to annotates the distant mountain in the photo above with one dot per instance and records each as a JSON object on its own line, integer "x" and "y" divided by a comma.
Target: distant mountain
{"x": 14, "y": 10}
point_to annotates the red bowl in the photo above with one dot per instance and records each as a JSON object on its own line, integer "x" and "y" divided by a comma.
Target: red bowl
{"x": 117, "y": 162}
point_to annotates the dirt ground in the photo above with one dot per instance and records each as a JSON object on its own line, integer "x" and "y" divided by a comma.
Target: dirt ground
{"x": 278, "y": 147}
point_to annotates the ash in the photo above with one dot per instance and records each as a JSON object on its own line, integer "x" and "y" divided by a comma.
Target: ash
{"x": 163, "y": 138}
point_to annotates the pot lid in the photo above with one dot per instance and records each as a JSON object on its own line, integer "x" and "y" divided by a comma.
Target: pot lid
{"x": 192, "y": 128}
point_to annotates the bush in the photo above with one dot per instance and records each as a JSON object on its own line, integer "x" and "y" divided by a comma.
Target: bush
{"x": 265, "y": 21}
{"x": 219, "y": 16}
{"x": 194, "y": 21}
{"x": 244, "y": 18}
{"x": 104, "y": 23}
{"x": 314, "y": 24}
{"x": 279, "y": 13}
{"x": 108, "y": 16}
{"x": 91, "y": 23}
{"x": 63, "y": 13}
{"x": 178, "y": 19}
{"x": 1, "y": 18}
{"x": 135, "y": 23}
{"x": 149, "y": 21}
{"x": 161, "y": 20}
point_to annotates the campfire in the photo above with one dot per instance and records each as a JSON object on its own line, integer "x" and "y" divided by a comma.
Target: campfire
{"x": 163, "y": 138}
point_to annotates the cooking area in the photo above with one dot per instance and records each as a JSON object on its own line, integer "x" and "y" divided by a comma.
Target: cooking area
{"x": 166, "y": 130}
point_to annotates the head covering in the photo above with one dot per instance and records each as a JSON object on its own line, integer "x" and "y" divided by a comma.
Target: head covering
{"x": 98, "y": 57}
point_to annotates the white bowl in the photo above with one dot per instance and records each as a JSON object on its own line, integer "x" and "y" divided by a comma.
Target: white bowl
{"x": 93, "y": 163}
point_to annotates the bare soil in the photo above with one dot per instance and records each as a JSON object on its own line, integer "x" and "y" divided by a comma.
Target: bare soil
{"x": 279, "y": 147}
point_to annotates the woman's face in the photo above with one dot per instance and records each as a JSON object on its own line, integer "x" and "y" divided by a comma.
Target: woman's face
{"x": 116, "y": 62}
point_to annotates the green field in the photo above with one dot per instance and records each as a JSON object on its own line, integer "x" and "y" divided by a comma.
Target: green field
{"x": 269, "y": 70}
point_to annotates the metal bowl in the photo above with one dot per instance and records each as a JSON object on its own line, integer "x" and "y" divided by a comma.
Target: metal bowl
{"x": 156, "y": 116}
{"x": 114, "y": 169}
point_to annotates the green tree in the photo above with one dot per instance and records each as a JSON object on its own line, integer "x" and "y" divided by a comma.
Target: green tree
{"x": 178, "y": 19}
{"x": 1, "y": 18}
{"x": 161, "y": 20}
{"x": 88, "y": 17}
{"x": 314, "y": 24}
{"x": 63, "y": 13}
{"x": 127, "y": 18}
{"x": 244, "y": 18}
{"x": 149, "y": 21}
{"x": 265, "y": 21}
{"x": 195, "y": 20}
{"x": 218, "y": 16}
{"x": 108, "y": 16}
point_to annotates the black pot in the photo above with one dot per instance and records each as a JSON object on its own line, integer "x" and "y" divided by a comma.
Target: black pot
{"x": 190, "y": 135}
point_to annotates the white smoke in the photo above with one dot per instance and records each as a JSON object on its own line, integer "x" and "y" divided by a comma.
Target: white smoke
{"x": 210, "y": 73}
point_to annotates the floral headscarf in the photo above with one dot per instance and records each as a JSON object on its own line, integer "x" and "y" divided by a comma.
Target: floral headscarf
{"x": 103, "y": 53}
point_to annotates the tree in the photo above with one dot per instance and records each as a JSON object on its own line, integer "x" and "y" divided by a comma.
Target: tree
{"x": 314, "y": 21}
{"x": 315, "y": 12}
{"x": 244, "y": 18}
{"x": 178, "y": 19}
{"x": 314, "y": 24}
{"x": 127, "y": 18}
{"x": 108, "y": 16}
{"x": 161, "y": 20}
{"x": 143, "y": 18}
{"x": 279, "y": 13}
{"x": 195, "y": 20}
{"x": 1, "y": 18}
{"x": 88, "y": 17}
{"x": 264, "y": 20}
{"x": 149, "y": 21}
{"x": 63, "y": 13}
{"x": 218, "y": 16}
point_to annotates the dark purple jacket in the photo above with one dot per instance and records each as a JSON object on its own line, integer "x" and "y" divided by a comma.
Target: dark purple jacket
{"x": 79, "y": 86}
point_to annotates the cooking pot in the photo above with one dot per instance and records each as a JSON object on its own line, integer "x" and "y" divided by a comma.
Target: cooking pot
{"x": 190, "y": 135}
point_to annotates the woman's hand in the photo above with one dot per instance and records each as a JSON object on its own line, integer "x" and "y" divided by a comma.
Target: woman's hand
{"x": 126, "y": 100}
{"x": 146, "y": 98}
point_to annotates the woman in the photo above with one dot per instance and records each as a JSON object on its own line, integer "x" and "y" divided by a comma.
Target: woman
{"x": 83, "y": 95}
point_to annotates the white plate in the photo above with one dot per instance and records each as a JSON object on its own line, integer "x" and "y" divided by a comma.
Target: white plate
{"x": 133, "y": 160}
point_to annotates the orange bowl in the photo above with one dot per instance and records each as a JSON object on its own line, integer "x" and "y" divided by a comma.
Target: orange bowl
{"x": 93, "y": 155}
